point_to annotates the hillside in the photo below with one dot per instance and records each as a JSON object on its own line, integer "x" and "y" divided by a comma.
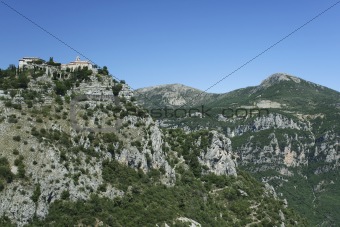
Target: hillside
{"x": 286, "y": 132}
{"x": 171, "y": 95}
{"x": 77, "y": 150}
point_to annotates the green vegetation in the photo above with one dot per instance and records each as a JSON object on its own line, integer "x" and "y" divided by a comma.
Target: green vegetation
{"x": 9, "y": 80}
{"x": 21, "y": 166}
{"x": 6, "y": 175}
{"x": 103, "y": 71}
{"x": 214, "y": 201}
{"x": 116, "y": 89}
{"x": 16, "y": 138}
{"x": 78, "y": 75}
{"x": 36, "y": 193}
{"x": 186, "y": 145}
{"x": 52, "y": 63}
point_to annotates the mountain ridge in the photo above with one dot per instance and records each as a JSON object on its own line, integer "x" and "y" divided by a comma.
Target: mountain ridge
{"x": 270, "y": 80}
{"x": 292, "y": 144}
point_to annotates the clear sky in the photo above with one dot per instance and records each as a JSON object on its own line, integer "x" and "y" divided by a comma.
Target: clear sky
{"x": 193, "y": 42}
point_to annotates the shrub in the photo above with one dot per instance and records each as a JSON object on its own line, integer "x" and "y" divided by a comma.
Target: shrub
{"x": 16, "y": 138}
{"x": 110, "y": 138}
{"x": 102, "y": 187}
{"x": 5, "y": 171}
{"x": 8, "y": 104}
{"x": 59, "y": 100}
{"x": 2, "y": 185}
{"x": 60, "y": 88}
{"x": 29, "y": 104}
{"x": 12, "y": 93}
{"x": 12, "y": 119}
{"x": 116, "y": 89}
{"x": 65, "y": 195}
{"x": 67, "y": 99}
{"x": 137, "y": 144}
{"x": 21, "y": 167}
{"x": 36, "y": 193}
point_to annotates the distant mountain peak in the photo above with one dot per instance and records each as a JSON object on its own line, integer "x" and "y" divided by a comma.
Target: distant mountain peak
{"x": 172, "y": 94}
{"x": 277, "y": 78}
{"x": 172, "y": 87}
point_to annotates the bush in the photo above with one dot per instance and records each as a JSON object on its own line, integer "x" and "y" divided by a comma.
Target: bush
{"x": 16, "y": 138}
{"x": 59, "y": 100}
{"x": 116, "y": 89}
{"x": 36, "y": 193}
{"x": 65, "y": 195}
{"x": 12, "y": 93}
{"x": 67, "y": 99}
{"x": 21, "y": 167}
{"x": 102, "y": 188}
{"x": 12, "y": 119}
{"x": 110, "y": 138}
{"x": 8, "y": 103}
{"x": 29, "y": 104}
{"x": 5, "y": 171}
{"x": 2, "y": 185}
{"x": 60, "y": 88}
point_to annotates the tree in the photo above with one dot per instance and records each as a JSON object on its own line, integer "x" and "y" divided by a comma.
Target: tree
{"x": 60, "y": 88}
{"x": 10, "y": 71}
{"x": 12, "y": 93}
{"x": 36, "y": 193}
{"x": 12, "y": 68}
{"x": 23, "y": 81}
{"x": 103, "y": 71}
{"x": 116, "y": 89}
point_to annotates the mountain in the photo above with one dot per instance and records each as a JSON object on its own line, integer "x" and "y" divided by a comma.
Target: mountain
{"x": 285, "y": 131}
{"x": 77, "y": 150}
{"x": 171, "y": 95}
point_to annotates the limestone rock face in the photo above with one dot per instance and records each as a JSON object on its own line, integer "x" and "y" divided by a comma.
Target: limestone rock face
{"x": 218, "y": 157}
{"x": 272, "y": 120}
{"x": 56, "y": 168}
{"x": 16, "y": 201}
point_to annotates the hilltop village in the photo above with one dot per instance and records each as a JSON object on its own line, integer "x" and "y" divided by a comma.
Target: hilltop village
{"x": 48, "y": 77}
{"x": 50, "y": 66}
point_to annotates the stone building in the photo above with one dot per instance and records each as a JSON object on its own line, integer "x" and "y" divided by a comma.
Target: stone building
{"x": 76, "y": 64}
{"x": 26, "y": 62}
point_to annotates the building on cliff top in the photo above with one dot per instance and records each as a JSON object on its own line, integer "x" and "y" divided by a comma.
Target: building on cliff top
{"x": 30, "y": 62}
{"x": 76, "y": 64}
{"x": 26, "y": 61}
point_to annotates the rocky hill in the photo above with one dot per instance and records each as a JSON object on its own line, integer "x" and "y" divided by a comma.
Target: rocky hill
{"x": 77, "y": 150}
{"x": 171, "y": 95}
{"x": 286, "y": 132}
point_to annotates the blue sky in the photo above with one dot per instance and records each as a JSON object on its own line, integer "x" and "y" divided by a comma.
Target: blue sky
{"x": 192, "y": 42}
